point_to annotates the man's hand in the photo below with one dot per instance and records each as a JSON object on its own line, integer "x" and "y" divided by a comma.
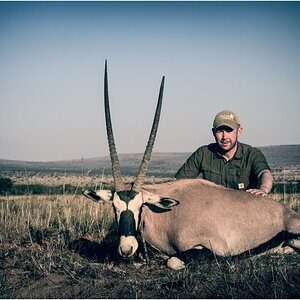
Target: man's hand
{"x": 266, "y": 183}
{"x": 259, "y": 192}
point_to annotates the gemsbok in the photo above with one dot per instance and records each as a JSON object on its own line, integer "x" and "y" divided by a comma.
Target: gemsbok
{"x": 190, "y": 213}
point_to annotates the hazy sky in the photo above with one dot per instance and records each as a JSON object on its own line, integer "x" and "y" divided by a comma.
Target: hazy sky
{"x": 215, "y": 55}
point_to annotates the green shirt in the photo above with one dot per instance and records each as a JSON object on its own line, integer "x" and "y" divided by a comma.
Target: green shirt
{"x": 241, "y": 172}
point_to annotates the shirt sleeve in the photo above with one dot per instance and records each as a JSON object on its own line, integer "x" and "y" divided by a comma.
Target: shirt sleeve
{"x": 192, "y": 167}
{"x": 259, "y": 162}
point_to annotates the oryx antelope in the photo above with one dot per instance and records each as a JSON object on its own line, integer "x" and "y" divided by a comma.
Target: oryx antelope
{"x": 191, "y": 213}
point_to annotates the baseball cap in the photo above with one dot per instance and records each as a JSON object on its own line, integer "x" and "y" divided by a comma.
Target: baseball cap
{"x": 226, "y": 118}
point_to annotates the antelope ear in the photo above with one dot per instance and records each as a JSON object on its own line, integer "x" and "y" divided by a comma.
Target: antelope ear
{"x": 98, "y": 196}
{"x": 158, "y": 201}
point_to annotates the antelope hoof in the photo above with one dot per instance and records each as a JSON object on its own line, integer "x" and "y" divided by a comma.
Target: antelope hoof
{"x": 285, "y": 250}
{"x": 294, "y": 244}
{"x": 175, "y": 263}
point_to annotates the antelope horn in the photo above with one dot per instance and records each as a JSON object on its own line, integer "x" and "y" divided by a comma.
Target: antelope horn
{"x": 137, "y": 185}
{"x": 116, "y": 169}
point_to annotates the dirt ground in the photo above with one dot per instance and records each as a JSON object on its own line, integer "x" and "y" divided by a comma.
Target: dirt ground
{"x": 88, "y": 269}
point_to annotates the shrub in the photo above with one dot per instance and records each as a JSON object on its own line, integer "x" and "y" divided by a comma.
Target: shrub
{"x": 6, "y": 185}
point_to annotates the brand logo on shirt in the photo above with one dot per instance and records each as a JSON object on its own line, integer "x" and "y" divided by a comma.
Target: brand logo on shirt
{"x": 241, "y": 186}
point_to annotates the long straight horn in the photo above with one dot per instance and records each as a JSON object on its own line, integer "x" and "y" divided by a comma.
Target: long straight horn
{"x": 116, "y": 169}
{"x": 137, "y": 185}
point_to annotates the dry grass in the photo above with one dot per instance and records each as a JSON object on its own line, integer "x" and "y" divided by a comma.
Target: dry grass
{"x": 76, "y": 179}
{"x": 64, "y": 213}
{"x": 50, "y": 248}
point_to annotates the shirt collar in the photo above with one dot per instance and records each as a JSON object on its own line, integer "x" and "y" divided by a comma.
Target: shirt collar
{"x": 238, "y": 154}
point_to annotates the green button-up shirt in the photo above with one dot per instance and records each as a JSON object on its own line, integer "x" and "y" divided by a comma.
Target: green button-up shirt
{"x": 241, "y": 172}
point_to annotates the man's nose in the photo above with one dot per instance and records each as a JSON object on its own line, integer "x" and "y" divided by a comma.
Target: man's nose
{"x": 224, "y": 134}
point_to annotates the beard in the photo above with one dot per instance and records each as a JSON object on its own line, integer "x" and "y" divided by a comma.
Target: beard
{"x": 226, "y": 145}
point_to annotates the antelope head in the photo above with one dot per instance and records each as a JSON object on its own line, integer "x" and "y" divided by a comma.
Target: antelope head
{"x": 128, "y": 204}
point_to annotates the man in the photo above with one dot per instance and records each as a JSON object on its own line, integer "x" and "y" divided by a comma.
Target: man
{"x": 228, "y": 162}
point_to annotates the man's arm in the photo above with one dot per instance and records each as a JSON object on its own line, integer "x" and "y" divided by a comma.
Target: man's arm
{"x": 191, "y": 168}
{"x": 265, "y": 184}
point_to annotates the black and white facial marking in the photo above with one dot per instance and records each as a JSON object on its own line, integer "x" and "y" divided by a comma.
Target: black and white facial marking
{"x": 127, "y": 205}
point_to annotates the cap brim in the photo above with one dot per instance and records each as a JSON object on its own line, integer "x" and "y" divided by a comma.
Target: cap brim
{"x": 231, "y": 125}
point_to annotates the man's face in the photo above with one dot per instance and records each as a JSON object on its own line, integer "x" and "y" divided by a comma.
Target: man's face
{"x": 226, "y": 137}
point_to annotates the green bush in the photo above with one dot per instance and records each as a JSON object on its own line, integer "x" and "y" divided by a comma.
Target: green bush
{"x": 288, "y": 187}
{"x": 6, "y": 185}
{"x": 40, "y": 189}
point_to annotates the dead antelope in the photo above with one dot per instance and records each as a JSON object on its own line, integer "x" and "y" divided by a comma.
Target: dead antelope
{"x": 191, "y": 213}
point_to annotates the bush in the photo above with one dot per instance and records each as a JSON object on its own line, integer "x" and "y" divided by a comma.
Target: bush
{"x": 291, "y": 187}
{"x": 6, "y": 185}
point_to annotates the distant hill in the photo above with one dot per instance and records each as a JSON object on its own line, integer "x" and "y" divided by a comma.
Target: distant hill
{"x": 161, "y": 164}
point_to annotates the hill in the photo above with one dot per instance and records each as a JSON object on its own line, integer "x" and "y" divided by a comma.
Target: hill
{"x": 161, "y": 164}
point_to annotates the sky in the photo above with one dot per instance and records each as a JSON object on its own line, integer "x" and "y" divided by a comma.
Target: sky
{"x": 241, "y": 56}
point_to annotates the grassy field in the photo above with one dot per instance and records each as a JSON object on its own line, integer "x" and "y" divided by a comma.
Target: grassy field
{"x": 65, "y": 247}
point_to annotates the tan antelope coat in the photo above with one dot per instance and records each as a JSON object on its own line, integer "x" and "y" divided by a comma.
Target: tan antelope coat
{"x": 226, "y": 221}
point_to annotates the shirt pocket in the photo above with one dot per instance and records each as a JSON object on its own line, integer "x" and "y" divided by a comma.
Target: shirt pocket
{"x": 237, "y": 179}
{"x": 212, "y": 175}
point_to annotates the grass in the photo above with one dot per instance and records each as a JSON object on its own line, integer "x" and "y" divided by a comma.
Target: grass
{"x": 50, "y": 248}
{"x": 72, "y": 215}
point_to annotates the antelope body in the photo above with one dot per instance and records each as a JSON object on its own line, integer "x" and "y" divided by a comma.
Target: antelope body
{"x": 191, "y": 213}
{"x": 225, "y": 221}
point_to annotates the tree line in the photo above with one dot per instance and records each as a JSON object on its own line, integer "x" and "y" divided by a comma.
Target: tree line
{"x": 8, "y": 187}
